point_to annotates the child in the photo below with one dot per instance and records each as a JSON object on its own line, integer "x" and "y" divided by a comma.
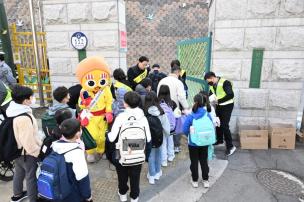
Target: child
{"x": 167, "y": 149}
{"x": 143, "y": 88}
{"x": 210, "y": 109}
{"x": 132, "y": 110}
{"x": 26, "y": 133}
{"x": 153, "y": 109}
{"x": 77, "y": 170}
{"x": 61, "y": 95}
{"x": 196, "y": 131}
{"x": 121, "y": 86}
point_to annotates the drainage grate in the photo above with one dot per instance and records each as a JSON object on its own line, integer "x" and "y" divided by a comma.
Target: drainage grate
{"x": 281, "y": 182}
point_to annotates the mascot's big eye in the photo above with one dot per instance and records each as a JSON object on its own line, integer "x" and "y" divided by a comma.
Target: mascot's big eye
{"x": 91, "y": 83}
{"x": 102, "y": 82}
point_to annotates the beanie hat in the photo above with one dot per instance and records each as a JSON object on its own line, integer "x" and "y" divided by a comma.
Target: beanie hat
{"x": 90, "y": 64}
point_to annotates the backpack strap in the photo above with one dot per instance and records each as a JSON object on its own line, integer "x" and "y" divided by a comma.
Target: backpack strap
{"x": 70, "y": 150}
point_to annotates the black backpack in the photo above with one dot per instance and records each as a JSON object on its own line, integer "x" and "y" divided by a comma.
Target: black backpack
{"x": 156, "y": 130}
{"x": 9, "y": 149}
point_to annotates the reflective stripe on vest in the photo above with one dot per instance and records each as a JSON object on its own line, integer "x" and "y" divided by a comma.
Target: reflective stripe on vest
{"x": 140, "y": 77}
{"x": 8, "y": 97}
{"x": 220, "y": 93}
{"x": 182, "y": 73}
{"x": 122, "y": 85}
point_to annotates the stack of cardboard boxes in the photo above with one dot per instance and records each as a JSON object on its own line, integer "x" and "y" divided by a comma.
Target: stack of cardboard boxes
{"x": 280, "y": 136}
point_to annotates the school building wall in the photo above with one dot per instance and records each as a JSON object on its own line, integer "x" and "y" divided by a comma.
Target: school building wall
{"x": 238, "y": 27}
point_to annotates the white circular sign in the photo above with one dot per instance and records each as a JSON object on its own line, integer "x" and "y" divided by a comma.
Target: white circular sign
{"x": 79, "y": 41}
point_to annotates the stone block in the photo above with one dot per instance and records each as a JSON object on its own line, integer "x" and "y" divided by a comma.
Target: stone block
{"x": 79, "y": 12}
{"x": 104, "y": 11}
{"x": 288, "y": 70}
{"x": 292, "y": 8}
{"x": 284, "y": 99}
{"x": 60, "y": 66}
{"x": 57, "y": 40}
{"x": 263, "y": 37}
{"x": 290, "y": 38}
{"x": 253, "y": 98}
{"x": 230, "y": 69}
{"x": 229, "y": 39}
{"x": 54, "y": 14}
{"x": 227, "y": 9}
{"x": 266, "y": 70}
{"x": 260, "y": 121}
{"x": 262, "y": 8}
{"x": 106, "y": 40}
{"x": 273, "y": 121}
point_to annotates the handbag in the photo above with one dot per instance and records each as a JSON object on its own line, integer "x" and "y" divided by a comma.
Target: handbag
{"x": 87, "y": 139}
{"x": 180, "y": 124}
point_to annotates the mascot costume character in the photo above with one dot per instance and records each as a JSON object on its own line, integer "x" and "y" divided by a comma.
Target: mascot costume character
{"x": 95, "y": 101}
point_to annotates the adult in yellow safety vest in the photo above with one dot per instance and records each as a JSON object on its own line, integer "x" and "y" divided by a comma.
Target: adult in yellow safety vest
{"x": 222, "y": 90}
{"x": 5, "y": 97}
{"x": 138, "y": 72}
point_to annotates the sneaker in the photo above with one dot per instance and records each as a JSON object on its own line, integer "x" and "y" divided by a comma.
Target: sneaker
{"x": 194, "y": 184}
{"x": 123, "y": 197}
{"x": 177, "y": 150}
{"x": 151, "y": 179}
{"x": 231, "y": 151}
{"x": 158, "y": 175}
{"x": 164, "y": 164}
{"x": 19, "y": 198}
{"x": 91, "y": 158}
{"x": 170, "y": 159}
{"x": 134, "y": 200}
{"x": 206, "y": 184}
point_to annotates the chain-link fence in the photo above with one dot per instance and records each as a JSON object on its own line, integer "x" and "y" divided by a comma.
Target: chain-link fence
{"x": 194, "y": 55}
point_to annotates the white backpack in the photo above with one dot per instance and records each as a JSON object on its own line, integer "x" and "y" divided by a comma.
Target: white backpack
{"x": 131, "y": 143}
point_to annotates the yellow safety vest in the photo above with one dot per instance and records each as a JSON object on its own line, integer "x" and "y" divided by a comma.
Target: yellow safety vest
{"x": 8, "y": 97}
{"x": 122, "y": 85}
{"x": 220, "y": 93}
{"x": 182, "y": 73}
{"x": 140, "y": 77}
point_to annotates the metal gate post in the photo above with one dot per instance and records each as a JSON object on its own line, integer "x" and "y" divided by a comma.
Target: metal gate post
{"x": 5, "y": 38}
{"x": 37, "y": 59}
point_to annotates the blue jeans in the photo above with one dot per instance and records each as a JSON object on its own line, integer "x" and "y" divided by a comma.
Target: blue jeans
{"x": 154, "y": 161}
{"x": 167, "y": 148}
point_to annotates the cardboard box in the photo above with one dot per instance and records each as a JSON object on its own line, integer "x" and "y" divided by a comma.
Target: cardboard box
{"x": 253, "y": 137}
{"x": 282, "y": 136}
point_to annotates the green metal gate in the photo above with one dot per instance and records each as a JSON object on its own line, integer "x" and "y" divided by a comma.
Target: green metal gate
{"x": 195, "y": 57}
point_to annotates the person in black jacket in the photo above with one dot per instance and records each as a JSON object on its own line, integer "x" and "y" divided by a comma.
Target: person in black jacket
{"x": 222, "y": 89}
{"x": 156, "y": 75}
{"x": 138, "y": 72}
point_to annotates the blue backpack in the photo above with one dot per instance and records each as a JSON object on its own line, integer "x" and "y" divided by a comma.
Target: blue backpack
{"x": 169, "y": 112}
{"x": 203, "y": 132}
{"x": 53, "y": 182}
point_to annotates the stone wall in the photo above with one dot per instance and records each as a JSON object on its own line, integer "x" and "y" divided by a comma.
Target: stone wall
{"x": 154, "y": 27}
{"x": 238, "y": 26}
{"x": 99, "y": 20}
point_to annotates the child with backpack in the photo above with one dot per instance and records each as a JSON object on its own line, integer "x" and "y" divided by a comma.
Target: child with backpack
{"x": 132, "y": 130}
{"x": 62, "y": 97}
{"x": 167, "y": 148}
{"x": 200, "y": 130}
{"x": 55, "y": 134}
{"x": 64, "y": 175}
{"x": 25, "y": 145}
{"x": 159, "y": 127}
{"x": 121, "y": 87}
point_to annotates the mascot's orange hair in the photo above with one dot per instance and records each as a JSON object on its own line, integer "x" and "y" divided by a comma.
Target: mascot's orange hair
{"x": 90, "y": 64}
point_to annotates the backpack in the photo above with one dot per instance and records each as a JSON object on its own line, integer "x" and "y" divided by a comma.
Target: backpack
{"x": 156, "y": 130}
{"x": 169, "y": 112}
{"x": 53, "y": 182}
{"x": 202, "y": 132}
{"x": 156, "y": 77}
{"x": 131, "y": 143}
{"x": 9, "y": 148}
{"x": 46, "y": 147}
{"x": 48, "y": 123}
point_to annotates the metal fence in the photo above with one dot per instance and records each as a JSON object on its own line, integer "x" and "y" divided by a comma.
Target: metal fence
{"x": 195, "y": 57}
